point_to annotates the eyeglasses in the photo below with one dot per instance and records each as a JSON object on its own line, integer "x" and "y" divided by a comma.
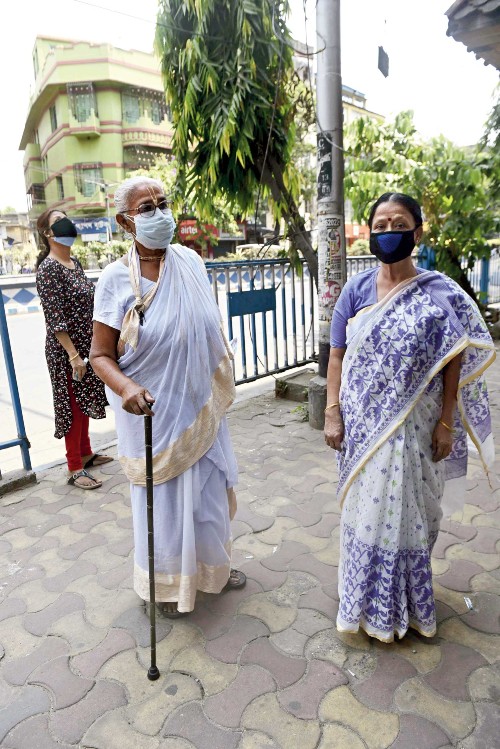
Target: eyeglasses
{"x": 148, "y": 210}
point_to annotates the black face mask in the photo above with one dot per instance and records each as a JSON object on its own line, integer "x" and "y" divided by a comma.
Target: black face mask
{"x": 64, "y": 227}
{"x": 392, "y": 246}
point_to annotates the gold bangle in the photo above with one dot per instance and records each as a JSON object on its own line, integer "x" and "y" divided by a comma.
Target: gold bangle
{"x": 74, "y": 357}
{"x": 332, "y": 405}
{"x": 450, "y": 429}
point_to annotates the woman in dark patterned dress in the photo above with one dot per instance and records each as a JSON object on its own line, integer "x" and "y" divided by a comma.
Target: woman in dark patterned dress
{"x": 67, "y": 298}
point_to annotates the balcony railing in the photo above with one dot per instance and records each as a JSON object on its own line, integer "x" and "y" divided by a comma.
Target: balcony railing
{"x": 90, "y": 127}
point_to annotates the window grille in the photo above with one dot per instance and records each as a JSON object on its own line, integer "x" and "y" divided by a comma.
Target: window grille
{"x": 88, "y": 178}
{"x": 81, "y": 100}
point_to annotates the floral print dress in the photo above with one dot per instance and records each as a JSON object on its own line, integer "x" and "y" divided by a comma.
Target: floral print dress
{"x": 67, "y": 298}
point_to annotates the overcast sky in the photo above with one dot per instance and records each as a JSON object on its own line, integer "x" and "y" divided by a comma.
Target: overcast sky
{"x": 449, "y": 90}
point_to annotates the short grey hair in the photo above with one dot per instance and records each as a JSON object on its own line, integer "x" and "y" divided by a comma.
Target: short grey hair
{"x": 124, "y": 193}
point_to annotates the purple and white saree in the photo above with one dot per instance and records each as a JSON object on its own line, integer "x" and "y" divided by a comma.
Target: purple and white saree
{"x": 390, "y": 490}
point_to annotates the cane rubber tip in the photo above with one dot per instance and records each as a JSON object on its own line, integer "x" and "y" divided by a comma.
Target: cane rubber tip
{"x": 153, "y": 673}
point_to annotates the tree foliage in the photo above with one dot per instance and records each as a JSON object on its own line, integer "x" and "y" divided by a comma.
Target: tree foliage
{"x": 454, "y": 186}
{"x": 234, "y": 94}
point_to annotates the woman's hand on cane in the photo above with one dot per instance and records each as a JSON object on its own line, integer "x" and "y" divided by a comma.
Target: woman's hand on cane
{"x": 137, "y": 400}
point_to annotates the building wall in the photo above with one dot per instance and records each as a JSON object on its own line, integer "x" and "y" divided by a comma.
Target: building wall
{"x": 56, "y": 142}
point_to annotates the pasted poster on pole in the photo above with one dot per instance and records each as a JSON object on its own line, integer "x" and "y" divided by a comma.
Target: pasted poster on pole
{"x": 330, "y": 234}
{"x": 325, "y": 174}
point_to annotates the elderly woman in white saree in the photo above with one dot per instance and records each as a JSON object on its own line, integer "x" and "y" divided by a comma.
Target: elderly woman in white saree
{"x": 404, "y": 387}
{"x": 158, "y": 340}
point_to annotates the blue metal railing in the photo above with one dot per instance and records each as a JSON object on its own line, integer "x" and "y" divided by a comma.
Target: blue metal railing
{"x": 269, "y": 308}
{"x": 22, "y": 440}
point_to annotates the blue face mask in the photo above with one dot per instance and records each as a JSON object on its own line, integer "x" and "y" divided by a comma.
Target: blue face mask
{"x": 66, "y": 241}
{"x": 392, "y": 246}
{"x": 154, "y": 233}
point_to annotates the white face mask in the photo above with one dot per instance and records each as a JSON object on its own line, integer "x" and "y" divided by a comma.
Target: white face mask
{"x": 154, "y": 233}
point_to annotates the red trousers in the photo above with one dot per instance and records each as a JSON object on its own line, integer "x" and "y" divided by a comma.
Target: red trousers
{"x": 77, "y": 439}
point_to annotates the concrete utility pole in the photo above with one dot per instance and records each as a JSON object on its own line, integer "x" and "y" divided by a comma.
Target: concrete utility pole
{"x": 331, "y": 229}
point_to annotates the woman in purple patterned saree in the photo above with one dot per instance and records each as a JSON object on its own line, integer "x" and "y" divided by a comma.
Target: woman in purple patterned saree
{"x": 405, "y": 387}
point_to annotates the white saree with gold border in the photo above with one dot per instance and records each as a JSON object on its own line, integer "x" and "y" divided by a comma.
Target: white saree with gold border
{"x": 389, "y": 488}
{"x": 173, "y": 346}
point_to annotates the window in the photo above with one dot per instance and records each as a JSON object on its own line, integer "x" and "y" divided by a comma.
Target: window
{"x": 130, "y": 107}
{"x": 36, "y": 139}
{"x": 35, "y": 61}
{"x": 88, "y": 178}
{"x": 142, "y": 102}
{"x": 81, "y": 100}
{"x": 140, "y": 157}
{"x": 60, "y": 188}
{"x": 53, "y": 118}
{"x": 37, "y": 193}
{"x": 156, "y": 112}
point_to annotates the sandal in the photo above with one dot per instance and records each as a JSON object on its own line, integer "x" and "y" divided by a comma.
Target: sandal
{"x": 172, "y": 614}
{"x": 98, "y": 460}
{"x": 237, "y": 579}
{"x": 73, "y": 480}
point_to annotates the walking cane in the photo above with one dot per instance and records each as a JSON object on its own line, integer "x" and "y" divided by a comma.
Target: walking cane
{"x": 153, "y": 672}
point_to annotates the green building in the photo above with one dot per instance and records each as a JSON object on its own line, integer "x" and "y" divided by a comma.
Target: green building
{"x": 96, "y": 113}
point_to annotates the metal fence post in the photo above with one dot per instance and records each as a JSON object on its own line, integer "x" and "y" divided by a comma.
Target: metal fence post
{"x": 484, "y": 282}
{"x": 22, "y": 440}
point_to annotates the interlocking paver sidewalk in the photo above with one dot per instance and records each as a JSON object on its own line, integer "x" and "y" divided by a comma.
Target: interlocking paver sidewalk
{"x": 259, "y": 668}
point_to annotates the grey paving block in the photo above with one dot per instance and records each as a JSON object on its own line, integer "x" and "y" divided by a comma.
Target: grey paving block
{"x": 227, "y": 602}
{"x": 416, "y": 733}
{"x": 58, "y": 583}
{"x": 88, "y": 664}
{"x": 54, "y": 522}
{"x": 377, "y": 691}
{"x": 23, "y": 735}
{"x": 39, "y": 622}
{"x": 297, "y": 512}
{"x": 66, "y": 687}
{"x": 256, "y": 522}
{"x": 486, "y": 540}
{"x": 11, "y": 607}
{"x": 75, "y": 550}
{"x": 17, "y": 671}
{"x": 191, "y": 723}
{"x": 31, "y": 701}
{"x": 303, "y": 698}
{"x": 115, "y": 577}
{"x": 286, "y": 552}
{"x": 460, "y": 530}
{"x": 227, "y": 707}
{"x": 459, "y": 575}
{"x": 450, "y": 678}
{"x": 71, "y": 723}
{"x": 24, "y": 556}
{"x": 324, "y": 528}
{"x": 52, "y": 508}
{"x": 319, "y": 601}
{"x": 123, "y": 547}
{"x": 284, "y": 668}
{"x": 325, "y": 573}
{"x": 135, "y": 621}
{"x": 487, "y": 616}
{"x": 21, "y": 576}
{"x": 228, "y": 646}
{"x": 266, "y": 578}
{"x": 212, "y": 624}
{"x": 487, "y": 730}
{"x": 84, "y": 526}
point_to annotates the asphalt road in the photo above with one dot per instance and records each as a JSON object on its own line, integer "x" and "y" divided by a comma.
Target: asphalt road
{"x": 27, "y": 338}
